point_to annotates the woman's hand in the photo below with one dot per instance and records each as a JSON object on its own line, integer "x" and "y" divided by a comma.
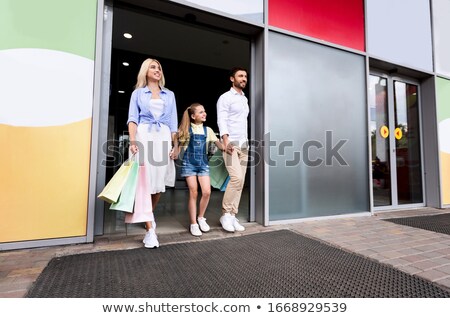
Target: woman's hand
{"x": 174, "y": 153}
{"x": 134, "y": 149}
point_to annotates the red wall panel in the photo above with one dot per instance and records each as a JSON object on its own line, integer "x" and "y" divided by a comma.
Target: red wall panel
{"x": 337, "y": 21}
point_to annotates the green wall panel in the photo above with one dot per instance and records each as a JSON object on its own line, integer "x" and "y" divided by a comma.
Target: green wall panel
{"x": 443, "y": 99}
{"x": 62, "y": 25}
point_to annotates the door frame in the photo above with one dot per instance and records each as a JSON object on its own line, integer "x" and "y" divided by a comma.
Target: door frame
{"x": 392, "y": 158}
{"x": 256, "y": 85}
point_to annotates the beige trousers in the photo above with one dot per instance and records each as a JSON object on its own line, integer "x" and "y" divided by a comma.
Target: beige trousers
{"x": 236, "y": 164}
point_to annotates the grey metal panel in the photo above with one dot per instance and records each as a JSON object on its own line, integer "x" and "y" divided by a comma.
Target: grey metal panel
{"x": 100, "y": 128}
{"x": 400, "y": 31}
{"x": 441, "y": 27}
{"x": 40, "y": 243}
{"x": 257, "y": 118}
{"x": 430, "y": 144}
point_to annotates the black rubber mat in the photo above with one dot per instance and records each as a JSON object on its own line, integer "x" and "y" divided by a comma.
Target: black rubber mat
{"x": 272, "y": 264}
{"x": 437, "y": 223}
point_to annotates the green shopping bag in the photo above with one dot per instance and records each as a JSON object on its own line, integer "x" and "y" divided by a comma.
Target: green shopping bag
{"x": 218, "y": 173}
{"x": 126, "y": 198}
{"x": 112, "y": 190}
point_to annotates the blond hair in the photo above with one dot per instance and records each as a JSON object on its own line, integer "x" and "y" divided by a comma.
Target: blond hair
{"x": 142, "y": 75}
{"x": 183, "y": 130}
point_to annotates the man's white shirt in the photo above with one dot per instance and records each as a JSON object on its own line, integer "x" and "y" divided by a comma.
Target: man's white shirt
{"x": 232, "y": 113}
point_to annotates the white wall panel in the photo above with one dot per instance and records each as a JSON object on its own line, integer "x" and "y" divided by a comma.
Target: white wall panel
{"x": 399, "y": 31}
{"x": 441, "y": 27}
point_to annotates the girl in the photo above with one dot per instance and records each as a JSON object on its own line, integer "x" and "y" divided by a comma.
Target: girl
{"x": 193, "y": 136}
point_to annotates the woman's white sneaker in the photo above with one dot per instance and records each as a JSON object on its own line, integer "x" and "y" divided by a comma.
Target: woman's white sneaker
{"x": 203, "y": 225}
{"x": 195, "y": 230}
{"x": 150, "y": 239}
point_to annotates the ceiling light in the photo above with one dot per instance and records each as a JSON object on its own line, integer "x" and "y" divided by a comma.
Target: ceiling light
{"x": 125, "y": 64}
{"x": 127, "y": 35}
{"x": 121, "y": 92}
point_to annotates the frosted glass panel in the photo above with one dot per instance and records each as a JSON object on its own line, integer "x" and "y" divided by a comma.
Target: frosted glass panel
{"x": 400, "y": 31}
{"x": 251, "y": 10}
{"x": 316, "y": 110}
{"x": 441, "y": 25}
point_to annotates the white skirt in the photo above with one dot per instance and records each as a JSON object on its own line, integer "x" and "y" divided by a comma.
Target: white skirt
{"x": 154, "y": 148}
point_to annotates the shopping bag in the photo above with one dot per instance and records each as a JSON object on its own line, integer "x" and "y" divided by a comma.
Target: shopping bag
{"x": 224, "y": 185}
{"x": 112, "y": 190}
{"x": 142, "y": 211}
{"x": 126, "y": 198}
{"x": 218, "y": 173}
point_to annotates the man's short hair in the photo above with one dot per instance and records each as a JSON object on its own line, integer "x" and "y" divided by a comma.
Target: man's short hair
{"x": 236, "y": 69}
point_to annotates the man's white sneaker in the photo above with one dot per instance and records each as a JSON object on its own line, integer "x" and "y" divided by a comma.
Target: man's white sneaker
{"x": 150, "y": 239}
{"x": 195, "y": 230}
{"x": 237, "y": 227}
{"x": 203, "y": 225}
{"x": 227, "y": 222}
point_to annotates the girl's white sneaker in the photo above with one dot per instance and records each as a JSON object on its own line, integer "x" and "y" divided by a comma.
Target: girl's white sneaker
{"x": 195, "y": 230}
{"x": 203, "y": 225}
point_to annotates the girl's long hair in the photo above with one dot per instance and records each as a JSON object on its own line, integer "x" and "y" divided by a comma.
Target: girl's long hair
{"x": 183, "y": 130}
{"x": 142, "y": 75}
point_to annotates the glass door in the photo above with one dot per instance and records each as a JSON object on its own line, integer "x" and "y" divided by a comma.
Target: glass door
{"x": 395, "y": 138}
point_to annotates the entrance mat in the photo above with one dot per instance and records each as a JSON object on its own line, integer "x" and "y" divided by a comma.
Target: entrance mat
{"x": 277, "y": 264}
{"x": 436, "y": 223}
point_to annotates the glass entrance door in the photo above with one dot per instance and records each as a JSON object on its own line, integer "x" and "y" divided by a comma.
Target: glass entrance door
{"x": 395, "y": 138}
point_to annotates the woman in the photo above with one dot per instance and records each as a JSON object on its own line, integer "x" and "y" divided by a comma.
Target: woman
{"x": 152, "y": 125}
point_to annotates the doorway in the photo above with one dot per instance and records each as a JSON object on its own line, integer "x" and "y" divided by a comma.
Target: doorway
{"x": 395, "y": 130}
{"x": 196, "y": 59}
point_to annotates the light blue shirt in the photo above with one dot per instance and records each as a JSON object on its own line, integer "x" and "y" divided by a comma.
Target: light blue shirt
{"x": 139, "y": 111}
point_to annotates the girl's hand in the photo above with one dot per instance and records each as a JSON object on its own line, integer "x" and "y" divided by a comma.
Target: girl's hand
{"x": 220, "y": 145}
{"x": 134, "y": 149}
{"x": 229, "y": 147}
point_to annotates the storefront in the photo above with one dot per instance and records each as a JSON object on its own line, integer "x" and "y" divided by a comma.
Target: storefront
{"x": 350, "y": 105}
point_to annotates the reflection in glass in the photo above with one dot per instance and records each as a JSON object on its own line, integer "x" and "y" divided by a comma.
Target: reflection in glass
{"x": 379, "y": 132}
{"x": 251, "y": 10}
{"x": 407, "y": 143}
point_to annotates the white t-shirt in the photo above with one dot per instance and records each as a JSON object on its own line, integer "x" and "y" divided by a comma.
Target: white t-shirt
{"x": 156, "y": 107}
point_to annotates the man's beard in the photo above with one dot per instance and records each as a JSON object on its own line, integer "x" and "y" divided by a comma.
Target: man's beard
{"x": 240, "y": 85}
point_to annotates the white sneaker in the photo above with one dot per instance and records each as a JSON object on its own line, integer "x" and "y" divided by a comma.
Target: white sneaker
{"x": 237, "y": 226}
{"x": 195, "y": 230}
{"x": 153, "y": 228}
{"x": 203, "y": 225}
{"x": 150, "y": 239}
{"x": 227, "y": 222}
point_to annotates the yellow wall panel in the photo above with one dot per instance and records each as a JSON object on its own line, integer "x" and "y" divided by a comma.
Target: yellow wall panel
{"x": 44, "y": 181}
{"x": 445, "y": 175}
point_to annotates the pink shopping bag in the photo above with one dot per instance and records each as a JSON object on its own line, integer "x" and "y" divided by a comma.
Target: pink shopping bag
{"x": 143, "y": 211}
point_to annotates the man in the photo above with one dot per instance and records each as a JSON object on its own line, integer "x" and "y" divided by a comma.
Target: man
{"x": 232, "y": 113}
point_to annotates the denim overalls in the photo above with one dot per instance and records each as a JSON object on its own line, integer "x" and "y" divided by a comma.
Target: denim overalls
{"x": 195, "y": 159}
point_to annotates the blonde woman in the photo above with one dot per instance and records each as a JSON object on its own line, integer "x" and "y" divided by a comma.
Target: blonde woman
{"x": 152, "y": 125}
